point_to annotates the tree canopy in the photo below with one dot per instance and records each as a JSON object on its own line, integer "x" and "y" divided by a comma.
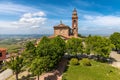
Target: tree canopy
{"x": 115, "y": 39}
{"x": 16, "y": 64}
{"x": 74, "y": 46}
{"x": 45, "y": 56}
{"x": 98, "y": 45}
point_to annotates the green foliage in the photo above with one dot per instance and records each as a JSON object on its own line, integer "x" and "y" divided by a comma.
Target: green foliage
{"x": 58, "y": 46}
{"x": 38, "y": 58}
{"x": 74, "y": 61}
{"x": 45, "y": 56}
{"x": 85, "y": 62}
{"x": 44, "y": 47}
{"x": 15, "y": 64}
{"x": 39, "y": 65}
{"x": 98, "y": 45}
{"x": 44, "y": 40}
{"x": 54, "y": 48}
{"x": 115, "y": 39}
{"x": 74, "y": 46}
{"x": 29, "y": 46}
{"x": 29, "y": 54}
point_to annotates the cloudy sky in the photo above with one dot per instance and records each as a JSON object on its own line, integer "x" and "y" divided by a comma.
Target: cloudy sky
{"x": 39, "y": 16}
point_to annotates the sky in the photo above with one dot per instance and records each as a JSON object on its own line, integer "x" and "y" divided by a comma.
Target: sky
{"x": 39, "y": 16}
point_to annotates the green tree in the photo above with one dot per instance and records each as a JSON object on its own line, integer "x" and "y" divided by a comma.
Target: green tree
{"x": 52, "y": 48}
{"x": 88, "y": 46}
{"x": 74, "y": 46}
{"x": 29, "y": 54}
{"x": 39, "y": 65}
{"x": 58, "y": 47}
{"x": 16, "y": 65}
{"x": 44, "y": 47}
{"x": 98, "y": 45}
{"x": 45, "y": 56}
{"x": 115, "y": 39}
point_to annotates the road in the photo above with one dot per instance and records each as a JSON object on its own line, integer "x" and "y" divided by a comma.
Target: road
{"x": 5, "y": 74}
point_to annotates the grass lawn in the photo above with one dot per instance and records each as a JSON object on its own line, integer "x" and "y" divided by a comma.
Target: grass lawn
{"x": 98, "y": 71}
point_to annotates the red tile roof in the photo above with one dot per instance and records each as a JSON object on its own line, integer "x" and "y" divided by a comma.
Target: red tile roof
{"x": 3, "y": 49}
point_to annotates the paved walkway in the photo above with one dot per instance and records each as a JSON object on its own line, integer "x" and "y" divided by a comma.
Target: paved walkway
{"x": 5, "y": 74}
{"x": 116, "y": 57}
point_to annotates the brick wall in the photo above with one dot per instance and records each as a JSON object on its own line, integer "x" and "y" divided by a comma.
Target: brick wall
{"x": 64, "y": 32}
{"x": 2, "y": 54}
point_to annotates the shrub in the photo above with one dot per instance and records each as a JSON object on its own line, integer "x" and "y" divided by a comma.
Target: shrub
{"x": 74, "y": 61}
{"x": 86, "y": 62}
{"x": 64, "y": 76}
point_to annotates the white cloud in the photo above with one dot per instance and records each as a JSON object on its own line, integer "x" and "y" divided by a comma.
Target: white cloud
{"x": 32, "y": 19}
{"x": 88, "y": 17}
{"x": 27, "y": 15}
{"x": 37, "y": 14}
{"x": 100, "y": 24}
{"x": 103, "y": 20}
{"x": 25, "y": 24}
{"x": 11, "y": 8}
{"x": 6, "y": 24}
{"x": 25, "y": 21}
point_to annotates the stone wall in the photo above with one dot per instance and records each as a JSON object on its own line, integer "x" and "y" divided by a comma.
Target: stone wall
{"x": 63, "y": 32}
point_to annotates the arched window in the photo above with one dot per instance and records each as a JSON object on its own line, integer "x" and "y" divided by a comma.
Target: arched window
{"x": 74, "y": 23}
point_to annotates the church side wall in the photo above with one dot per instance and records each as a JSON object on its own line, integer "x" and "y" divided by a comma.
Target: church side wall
{"x": 64, "y": 32}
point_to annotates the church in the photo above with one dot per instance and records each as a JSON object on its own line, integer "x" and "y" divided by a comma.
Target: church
{"x": 65, "y": 31}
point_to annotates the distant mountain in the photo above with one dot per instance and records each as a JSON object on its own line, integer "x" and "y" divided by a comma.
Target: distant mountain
{"x": 4, "y": 36}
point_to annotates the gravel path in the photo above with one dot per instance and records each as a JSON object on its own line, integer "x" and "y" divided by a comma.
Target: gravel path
{"x": 5, "y": 74}
{"x": 116, "y": 57}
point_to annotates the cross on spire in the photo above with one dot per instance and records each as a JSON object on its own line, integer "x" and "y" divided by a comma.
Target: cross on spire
{"x": 60, "y": 21}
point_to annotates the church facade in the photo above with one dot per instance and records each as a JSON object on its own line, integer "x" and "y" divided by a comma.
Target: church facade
{"x": 65, "y": 31}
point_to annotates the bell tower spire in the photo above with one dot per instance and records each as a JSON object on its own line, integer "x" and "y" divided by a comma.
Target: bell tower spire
{"x": 75, "y": 23}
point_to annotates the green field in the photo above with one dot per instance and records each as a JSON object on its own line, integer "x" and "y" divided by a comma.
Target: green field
{"x": 98, "y": 71}
{"x": 13, "y": 45}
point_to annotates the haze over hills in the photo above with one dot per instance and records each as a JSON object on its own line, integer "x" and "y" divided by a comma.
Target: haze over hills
{"x": 4, "y": 36}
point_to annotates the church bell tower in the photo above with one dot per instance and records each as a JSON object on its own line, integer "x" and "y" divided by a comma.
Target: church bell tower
{"x": 75, "y": 23}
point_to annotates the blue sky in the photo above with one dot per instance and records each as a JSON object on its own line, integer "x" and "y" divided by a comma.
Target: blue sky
{"x": 39, "y": 16}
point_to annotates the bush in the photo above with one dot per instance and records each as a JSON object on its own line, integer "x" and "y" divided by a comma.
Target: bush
{"x": 86, "y": 62}
{"x": 64, "y": 76}
{"x": 74, "y": 61}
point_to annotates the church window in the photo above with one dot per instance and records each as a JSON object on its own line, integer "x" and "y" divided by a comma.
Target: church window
{"x": 0, "y": 54}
